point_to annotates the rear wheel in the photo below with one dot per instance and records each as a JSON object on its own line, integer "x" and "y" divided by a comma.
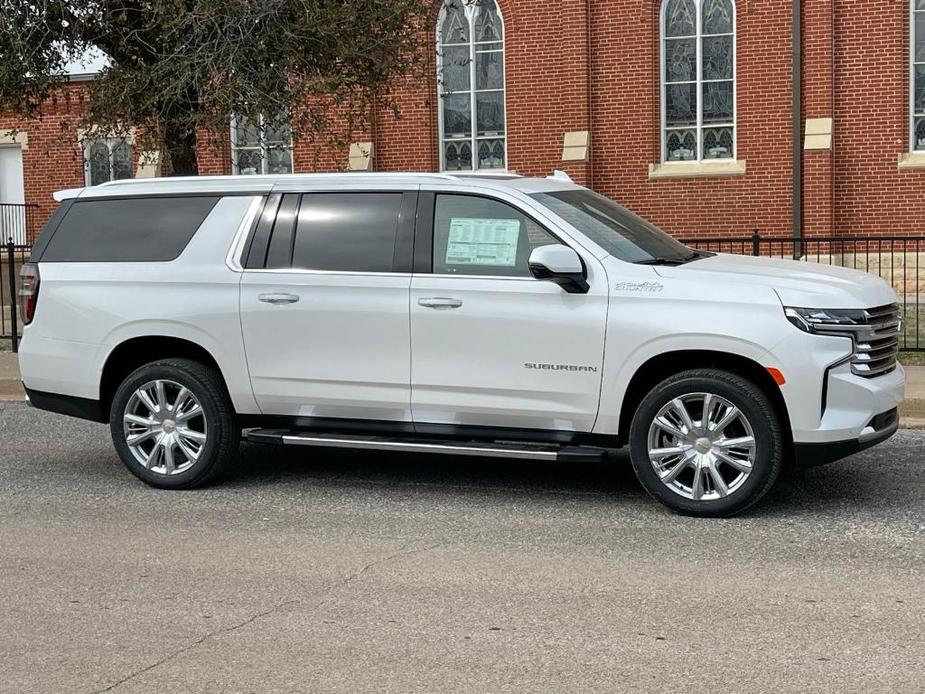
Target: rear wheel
{"x": 173, "y": 424}
{"x": 706, "y": 442}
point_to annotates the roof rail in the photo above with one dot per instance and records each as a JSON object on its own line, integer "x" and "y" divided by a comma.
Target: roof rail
{"x": 499, "y": 175}
{"x": 276, "y": 177}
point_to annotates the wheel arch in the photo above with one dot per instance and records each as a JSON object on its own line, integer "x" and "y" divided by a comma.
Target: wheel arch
{"x": 661, "y": 366}
{"x": 137, "y": 351}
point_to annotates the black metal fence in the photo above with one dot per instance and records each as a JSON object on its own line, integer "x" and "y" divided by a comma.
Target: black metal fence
{"x": 18, "y": 222}
{"x": 14, "y": 256}
{"x": 900, "y": 260}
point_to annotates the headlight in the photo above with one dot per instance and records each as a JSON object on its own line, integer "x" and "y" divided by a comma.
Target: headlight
{"x": 827, "y": 320}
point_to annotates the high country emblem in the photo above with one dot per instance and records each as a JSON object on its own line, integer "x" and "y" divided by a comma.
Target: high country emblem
{"x": 651, "y": 287}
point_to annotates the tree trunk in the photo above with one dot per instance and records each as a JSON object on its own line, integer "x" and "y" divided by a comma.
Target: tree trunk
{"x": 180, "y": 146}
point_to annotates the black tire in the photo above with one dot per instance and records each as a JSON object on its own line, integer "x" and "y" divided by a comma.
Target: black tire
{"x": 761, "y": 416}
{"x": 217, "y": 454}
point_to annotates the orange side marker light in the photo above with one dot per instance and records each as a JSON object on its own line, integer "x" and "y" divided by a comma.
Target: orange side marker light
{"x": 777, "y": 376}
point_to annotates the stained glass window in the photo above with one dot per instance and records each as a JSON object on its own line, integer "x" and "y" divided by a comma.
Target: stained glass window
{"x": 261, "y": 146}
{"x": 698, "y": 79}
{"x": 107, "y": 159}
{"x": 470, "y": 78}
{"x": 918, "y": 75}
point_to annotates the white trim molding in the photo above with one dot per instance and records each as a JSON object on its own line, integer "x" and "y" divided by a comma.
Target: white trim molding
{"x": 697, "y": 169}
{"x": 360, "y": 157}
{"x": 696, "y": 82}
{"x": 576, "y": 145}
{"x": 116, "y": 165}
{"x": 14, "y": 137}
{"x": 912, "y": 160}
{"x": 149, "y": 164}
{"x": 112, "y": 136}
{"x": 916, "y": 65}
{"x": 264, "y": 147}
{"x": 817, "y": 134}
{"x": 473, "y": 47}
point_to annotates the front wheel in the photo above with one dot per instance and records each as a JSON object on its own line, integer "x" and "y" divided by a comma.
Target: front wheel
{"x": 706, "y": 442}
{"x": 173, "y": 424}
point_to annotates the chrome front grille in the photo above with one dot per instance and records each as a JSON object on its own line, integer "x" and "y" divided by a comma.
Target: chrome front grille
{"x": 876, "y": 343}
{"x": 875, "y": 332}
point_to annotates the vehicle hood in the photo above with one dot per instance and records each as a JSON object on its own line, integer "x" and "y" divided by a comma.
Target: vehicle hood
{"x": 797, "y": 283}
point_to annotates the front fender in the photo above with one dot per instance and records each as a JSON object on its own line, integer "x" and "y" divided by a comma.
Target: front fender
{"x": 619, "y": 372}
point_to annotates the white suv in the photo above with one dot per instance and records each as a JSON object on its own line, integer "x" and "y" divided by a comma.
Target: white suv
{"x": 496, "y": 316}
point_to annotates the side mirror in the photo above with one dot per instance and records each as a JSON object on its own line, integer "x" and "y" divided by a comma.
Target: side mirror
{"x": 560, "y": 265}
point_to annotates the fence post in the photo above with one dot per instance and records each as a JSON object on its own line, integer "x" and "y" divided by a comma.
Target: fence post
{"x": 756, "y": 243}
{"x": 11, "y": 260}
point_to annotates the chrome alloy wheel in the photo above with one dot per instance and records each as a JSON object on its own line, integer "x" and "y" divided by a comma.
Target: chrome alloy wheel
{"x": 165, "y": 427}
{"x": 701, "y": 446}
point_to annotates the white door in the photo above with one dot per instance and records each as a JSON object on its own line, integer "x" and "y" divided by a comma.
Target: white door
{"x": 11, "y": 181}
{"x": 12, "y": 219}
{"x": 326, "y": 326}
{"x": 491, "y": 346}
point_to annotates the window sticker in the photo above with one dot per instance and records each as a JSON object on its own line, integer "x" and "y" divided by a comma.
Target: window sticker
{"x": 490, "y": 242}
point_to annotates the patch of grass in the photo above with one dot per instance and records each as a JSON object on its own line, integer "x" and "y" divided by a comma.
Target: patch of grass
{"x": 5, "y": 346}
{"x": 912, "y": 358}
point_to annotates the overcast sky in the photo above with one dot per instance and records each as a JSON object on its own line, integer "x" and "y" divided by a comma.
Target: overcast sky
{"x": 93, "y": 61}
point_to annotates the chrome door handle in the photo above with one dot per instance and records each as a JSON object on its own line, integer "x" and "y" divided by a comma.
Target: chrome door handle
{"x": 278, "y": 299}
{"x": 440, "y": 303}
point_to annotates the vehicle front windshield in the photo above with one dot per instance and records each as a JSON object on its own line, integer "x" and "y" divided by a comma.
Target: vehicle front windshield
{"x": 614, "y": 228}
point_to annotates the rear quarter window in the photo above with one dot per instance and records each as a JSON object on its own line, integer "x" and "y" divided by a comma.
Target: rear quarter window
{"x": 148, "y": 229}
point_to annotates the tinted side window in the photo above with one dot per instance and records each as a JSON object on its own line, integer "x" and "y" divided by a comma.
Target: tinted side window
{"x": 479, "y": 236}
{"x": 141, "y": 229}
{"x": 279, "y": 255}
{"x": 348, "y": 232}
{"x": 48, "y": 230}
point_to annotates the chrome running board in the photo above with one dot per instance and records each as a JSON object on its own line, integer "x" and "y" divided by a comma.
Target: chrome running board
{"x": 520, "y": 451}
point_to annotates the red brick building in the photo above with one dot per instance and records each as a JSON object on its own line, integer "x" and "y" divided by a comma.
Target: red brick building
{"x": 687, "y": 111}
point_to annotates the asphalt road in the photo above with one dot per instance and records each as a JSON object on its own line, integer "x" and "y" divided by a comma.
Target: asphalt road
{"x": 333, "y": 572}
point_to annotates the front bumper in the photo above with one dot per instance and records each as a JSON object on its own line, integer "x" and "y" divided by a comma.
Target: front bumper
{"x": 879, "y": 429}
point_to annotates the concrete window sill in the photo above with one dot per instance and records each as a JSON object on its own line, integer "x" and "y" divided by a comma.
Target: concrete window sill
{"x": 15, "y": 137}
{"x": 697, "y": 169}
{"x": 912, "y": 160}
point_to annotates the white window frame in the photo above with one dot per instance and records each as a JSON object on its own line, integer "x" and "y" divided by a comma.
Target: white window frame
{"x": 111, "y": 143}
{"x": 912, "y": 65}
{"x": 699, "y": 82}
{"x": 262, "y": 147}
{"x": 471, "y": 8}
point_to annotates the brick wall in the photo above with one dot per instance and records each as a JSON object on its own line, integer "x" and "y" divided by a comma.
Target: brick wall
{"x": 872, "y": 194}
{"x": 818, "y": 64}
{"x": 626, "y": 122}
{"x": 52, "y": 158}
{"x": 855, "y": 70}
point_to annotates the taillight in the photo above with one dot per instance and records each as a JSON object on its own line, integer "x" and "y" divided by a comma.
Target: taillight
{"x": 29, "y": 294}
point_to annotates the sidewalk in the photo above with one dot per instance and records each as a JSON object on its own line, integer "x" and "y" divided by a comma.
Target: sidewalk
{"x": 913, "y": 410}
{"x": 10, "y": 387}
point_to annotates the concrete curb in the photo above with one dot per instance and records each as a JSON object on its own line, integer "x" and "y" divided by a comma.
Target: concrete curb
{"x": 11, "y": 390}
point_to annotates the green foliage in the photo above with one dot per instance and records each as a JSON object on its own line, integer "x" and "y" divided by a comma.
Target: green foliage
{"x": 179, "y": 66}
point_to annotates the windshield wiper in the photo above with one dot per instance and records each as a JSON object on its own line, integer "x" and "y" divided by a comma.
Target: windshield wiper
{"x": 696, "y": 255}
